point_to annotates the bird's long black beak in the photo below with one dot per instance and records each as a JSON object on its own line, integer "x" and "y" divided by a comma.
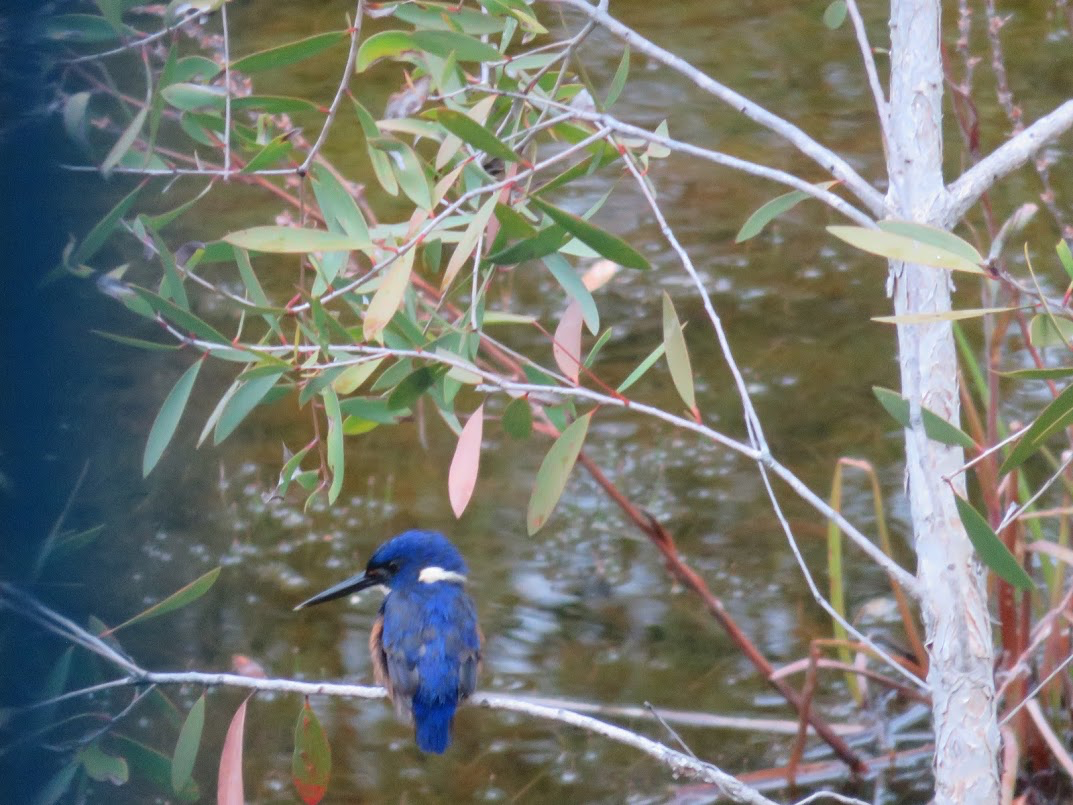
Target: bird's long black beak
{"x": 351, "y": 585}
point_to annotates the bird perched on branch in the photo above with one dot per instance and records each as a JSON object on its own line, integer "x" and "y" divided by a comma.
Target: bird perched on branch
{"x": 425, "y": 643}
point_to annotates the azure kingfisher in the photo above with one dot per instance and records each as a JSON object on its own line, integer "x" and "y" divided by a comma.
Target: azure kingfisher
{"x": 425, "y": 642}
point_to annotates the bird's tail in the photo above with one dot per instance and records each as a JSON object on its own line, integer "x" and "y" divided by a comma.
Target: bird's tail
{"x": 432, "y": 720}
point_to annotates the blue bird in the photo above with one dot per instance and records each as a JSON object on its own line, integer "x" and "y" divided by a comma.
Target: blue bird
{"x": 425, "y": 642}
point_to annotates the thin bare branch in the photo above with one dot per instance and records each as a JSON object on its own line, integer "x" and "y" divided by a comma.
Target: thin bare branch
{"x": 137, "y": 43}
{"x": 355, "y": 34}
{"x": 882, "y": 107}
{"x": 820, "y": 154}
{"x": 1008, "y": 157}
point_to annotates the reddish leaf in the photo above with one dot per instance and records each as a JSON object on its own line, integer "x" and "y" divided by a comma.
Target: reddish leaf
{"x": 229, "y": 782}
{"x": 467, "y": 460}
{"x": 311, "y": 764}
{"x": 567, "y": 345}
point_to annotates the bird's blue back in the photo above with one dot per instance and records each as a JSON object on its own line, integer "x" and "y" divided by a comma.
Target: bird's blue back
{"x": 431, "y": 649}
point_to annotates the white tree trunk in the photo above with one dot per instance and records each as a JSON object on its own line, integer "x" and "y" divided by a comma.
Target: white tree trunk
{"x": 952, "y": 583}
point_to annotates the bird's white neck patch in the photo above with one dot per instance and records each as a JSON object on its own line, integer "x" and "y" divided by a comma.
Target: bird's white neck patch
{"x": 433, "y": 574}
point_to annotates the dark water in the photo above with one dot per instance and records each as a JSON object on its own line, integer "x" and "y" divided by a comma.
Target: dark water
{"x": 582, "y": 610}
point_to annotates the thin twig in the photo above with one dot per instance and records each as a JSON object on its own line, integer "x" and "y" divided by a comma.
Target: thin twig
{"x": 137, "y": 43}
{"x": 227, "y": 93}
{"x": 355, "y": 33}
{"x": 670, "y": 730}
{"x": 882, "y": 108}
{"x": 811, "y": 148}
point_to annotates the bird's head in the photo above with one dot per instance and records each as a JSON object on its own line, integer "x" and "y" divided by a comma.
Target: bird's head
{"x": 413, "y": 557}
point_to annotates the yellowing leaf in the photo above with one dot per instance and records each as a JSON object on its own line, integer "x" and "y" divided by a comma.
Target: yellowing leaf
{"x": 388, "y": 297}
{"x": 674, "y": 344}
{"x": 900, "y": 247}
{"x": 293, "y": 240}
{"x": 466, "y": 245}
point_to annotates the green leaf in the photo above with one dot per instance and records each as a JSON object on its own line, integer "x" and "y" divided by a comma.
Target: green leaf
{"x": 575, "y": 288}
{"x": 125, "y": 141}
{"x": 243, "y": 401}
{"x": 186, "y": 97}
{"x": 411, "y": 176}
{"x": 336, "y": 457}
{"x": 1055, "y": 417}
{"x": 1039, "y": 374}
{"x": 167, "y": 419}
{"x": 606, "y": 244}
{"x": 291, "y": 53}
{"x": 518, "y": 419}
{"x": 619, "y": 81}
{"x": 899, "y": 247}
{"x": 411, "y": 388}
{"x": 388, "y": 297}
{"x": 182, "y": 762}
{"x": 767, "y": 213}
{"x": 935, "y": 427}
{"x": 554, "y": 471}
{"x": 273, "y": 105}
{"x": 102, "y": 767}
{"x": 182, "y": 319}
{"x": 835, "y": 14}
{"x": 384, "y": 45}
{"x": 152, "y": 766}
{"x": 1066, "y": 257}
{"x": 140, "y": 343}
{"x": 1050, "y": 331}
{"x": 547, "y": 241}
{"x": 269, "y": 156}
{"x": 311, "y": 764}
{"x": 100, "y": 233}
{"x": 465, "y": 48}
{"x": 674, "y": 344}
{"x": 293, "y": 240}
{"x": 992, "y": 550}
{"x": 472, "y": 132}
{"x": 178, "y": 599}
{"x": 439, "y": 17}
{"x": 338, "y": 206}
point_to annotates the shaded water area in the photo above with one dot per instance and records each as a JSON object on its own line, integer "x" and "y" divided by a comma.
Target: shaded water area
{"x": 585, "y": 609}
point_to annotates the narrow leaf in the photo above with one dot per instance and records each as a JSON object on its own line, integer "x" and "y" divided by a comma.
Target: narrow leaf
{"x": 98, "y": 236}
{"x": 619, "y": 81}
{"x": 311, "y": 764}
{"x": 468, "y": 242}
{"x": 1056, "y": 373}
{"x": 935, "y": 427}
{"x": 566, "y": 348}
{"x": 554, "y": 471}
{"x": 352, "y": 377}
{"x": 465, "y": 463}
{"x": 469, "y": 130}
{"x": 899, "y": 247}
{"x": 336, "y": 459}
{"x": 246, "y": 397}
{"x": 388, "y": 297}
{"x": 290, "y": 53}
{"x": 993, "y": 552}
{"x": 229, "y": 782}
{"x": 642, "y": 367}
{"x": 674, "y": 343}
{"x": 1055, "y": 417}
{"x": 293, "y": 240}
{"x": 465, "y": 48}
{"x": 183, "y": 319}
{"x": 125, "y": 141}
{"x": 182, "y": 762}
{"x": 947, "y": 315}
{"x": 167, "y": 419}
{"x": 178, "y": 599}
{"x": 102, "y": 767}
{"x": 565, "y": 275}
{"x": 1049, "y": 331}
{"x": 383, "y": 45}
{"x": 767, "y": 213}
{"x": 608, "y": 245}
{"x": 1065, "y": 257}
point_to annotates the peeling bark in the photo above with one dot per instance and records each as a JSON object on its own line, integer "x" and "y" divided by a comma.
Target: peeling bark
{"x": 952, "y": 582}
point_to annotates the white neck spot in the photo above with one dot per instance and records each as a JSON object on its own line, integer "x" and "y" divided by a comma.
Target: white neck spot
{"x": 433, "y": 574}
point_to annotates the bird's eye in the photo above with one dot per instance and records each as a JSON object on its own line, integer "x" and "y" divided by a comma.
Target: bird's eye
{"x": 393, "y": 566}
